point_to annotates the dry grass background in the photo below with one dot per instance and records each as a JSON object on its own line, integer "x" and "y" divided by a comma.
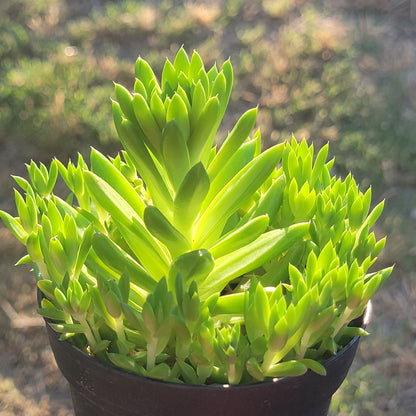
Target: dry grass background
{"x": 266, "y": 50}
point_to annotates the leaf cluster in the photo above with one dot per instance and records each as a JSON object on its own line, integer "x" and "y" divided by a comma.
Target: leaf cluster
{"x": 183, "y": 262}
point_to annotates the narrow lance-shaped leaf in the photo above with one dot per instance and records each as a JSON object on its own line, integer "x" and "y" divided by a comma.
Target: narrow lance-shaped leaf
{"x": 13, "y": 224}
{"x": 267, "y": 246}
{"x": 151, "y": 130}
{"x": 192, "y": 266}
{"x": 109, "y": 199}
{"x": 162, "y": 229}
{"x": 68, "y": 328}
{"x": 227, "y": 70}
{"x": 83, "y": 250}
{"x": 33, "y": 246}
{"x": 106, "y": 249}
{"x": 169, "y": 79}
{"x": 279, "y": 334}
{"x": 373, "y": 216}
{"x": 147, "y": 250}
{"x": 189, "y": 198}
{"x": 54, "y": 215}
{"x": 130, "y": 225}
{"x": 22, "y": 182}
{"x": 58, "y": 256}
{"x": 234, "y": 165}
{"x": 181, "y": 62}
{"x": 52, "y": 176}
{"x": 236, "y": 193}
{"x": 374, "y": 283}
{"x": 27, "y": 211}
{"x": 271, "y": 201}
{"x": 70, "y": 240}
{"x": 232, "y": 304}
{"x": 202, "y": 135}
{"x": 24, "y": 260}
{"x": 38, "y": 178}
{"x": 139, "y": 88}
{"x": 52, "y": 313}
{"x": 219, "y": 87}
{"x": 212, "y": 75}
{"x": 315, "y": 366}
{"x": 125, "y": 99}
{"x": 158, "y": 110}
{"x": 235, "y": 139}
{"x": 102, "y": 167}
{"x": 240, "y": 237}
{"x": 254, "y": 369}
{"x": 256, "y": 311}
{"x": 175, "y": 152}
{"x": 124, "y": 287}
{"x": 196, "y": 65}
{"x": 184, "y": 91}
{"x": 100, "y": 307}
{"x": 133, "y": 142}
{"x": 199, "y": 100}
{"x": 145, "y": 74}
{"x": 178, "y": 111}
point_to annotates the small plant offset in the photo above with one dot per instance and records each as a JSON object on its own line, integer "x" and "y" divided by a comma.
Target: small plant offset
{"x": 183, "y": 262}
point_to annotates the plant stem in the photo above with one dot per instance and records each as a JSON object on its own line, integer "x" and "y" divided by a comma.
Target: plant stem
{"x": 151, "y": 353}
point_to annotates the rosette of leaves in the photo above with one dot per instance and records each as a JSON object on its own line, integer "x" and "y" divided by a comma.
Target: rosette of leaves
{"x": 185, "y": 262}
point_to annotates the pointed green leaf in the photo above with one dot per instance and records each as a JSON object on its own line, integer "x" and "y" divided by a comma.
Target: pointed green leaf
{"x": 251, "y": 256}
{"x": 175, "y": 153}
{"x": 148, "y": 124}
{"x": 189, "y": 198}
{"x": 169, "y": 78}
{"x": 139, "y": 88}
{"x": 162, "y": 229}
{"x": 52, "y": 313}
{"x": 144, "y": 72}
{"x": 83, "y": 249}
{"x": 125, "y": 99}
{"x": 117, "y": 259}
{"x": 133, "y": 142}
{"x": 233, "y": 166}
{"x": 178, "y": 111}
{"x": 158, "y": 110}
{"x": 196, "y": 65}
{"x": 203, "y": 133}
{"x": 235, "y": 139}
{"x": 13, "y": 224}
{"x": 192, "y": 266}
{"x": 314, "y": 366}
{"x": 237, "y": 192}
{"x": 147, "y": 250}
{"x": 102, "y": 167}
{"x": 199, "y": 100}
{"x": 287, "y": 369}
{"x": 181, "y": 62}
{"x": 240, "y": 237}
{"x": 254, "y": 369}
{"x": 68, "y": 328}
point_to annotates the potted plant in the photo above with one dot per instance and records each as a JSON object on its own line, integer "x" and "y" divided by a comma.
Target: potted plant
{"x": 179, "y": 275}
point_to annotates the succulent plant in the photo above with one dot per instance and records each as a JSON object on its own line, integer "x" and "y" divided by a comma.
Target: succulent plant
{"x": 187, "y": 262}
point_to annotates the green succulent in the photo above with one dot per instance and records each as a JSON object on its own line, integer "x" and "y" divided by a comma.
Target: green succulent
{"x": 181, "y": 261}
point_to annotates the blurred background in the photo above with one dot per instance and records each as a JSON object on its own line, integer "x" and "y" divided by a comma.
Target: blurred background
{"x": 340, "y": 71}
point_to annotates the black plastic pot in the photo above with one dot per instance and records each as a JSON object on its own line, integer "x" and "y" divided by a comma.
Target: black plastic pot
{"x": 98, "y": 389}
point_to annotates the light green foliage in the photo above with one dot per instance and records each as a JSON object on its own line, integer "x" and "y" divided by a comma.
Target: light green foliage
{"x": 188, "y": 263}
